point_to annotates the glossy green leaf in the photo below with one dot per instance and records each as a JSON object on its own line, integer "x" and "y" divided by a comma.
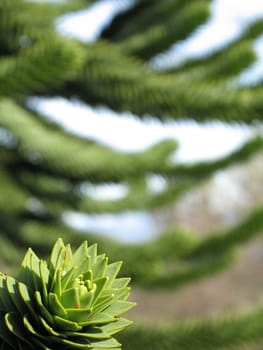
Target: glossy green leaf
{"x": 49, "y": 329}
{"x": 117, "y": 326}
{"x": 100, "y": 318}
{"x": 70, "y": 298}
{"x": 106, "y": 344}
{"x": 56, "y": 262}
{"x": 5, "y": 334}
{"x": 92, "y": 253}
{"x": 25, "y": 274}
{"x": 116, "y": 294}
{"x": 99, "y": 267}
{"x": 76, "y": 344}
{"x": 45, "y": 277}
{"x": 67, "y": 278}
{"x": 43, "y": 309}
{"x": 34, "y": 267}
{"x": 100, "y": 283}
{"x": 112, "y": 271}
{"x": 15, "y": 326}
{"x": 87, "y": 299}
{"x": 119, "y": 307}
{"x": 56, "y": 258}
{"x": 57, "y": 288}
{"x": 27, "y": 297}
{"x": 104, "y": 302}
{"x": 68, "y": 254}
{"x": 80, "y": 254}
{"x": 121, "y": 282}
{"x": 55, "y": 306}
{"x": 12, "y": 288}
{"x": 6, "y": 303}
{"x": 66, "y": 325}
{"x": 63, "y": 303}
{"x": 78, "y": 315}
{"x": 82, "y": 266}
{"x": 91, "y": 332}
{"x": 38, "y": 339}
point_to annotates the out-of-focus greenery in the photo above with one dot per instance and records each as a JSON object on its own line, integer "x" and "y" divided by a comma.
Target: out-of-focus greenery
{"x": 42, "y": 167}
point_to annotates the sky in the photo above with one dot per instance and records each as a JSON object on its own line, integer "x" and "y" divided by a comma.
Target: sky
{"x": 126, "y": 132}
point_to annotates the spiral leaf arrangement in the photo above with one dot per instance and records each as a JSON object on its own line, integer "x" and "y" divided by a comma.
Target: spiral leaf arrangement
{"x": 71, "y": 301}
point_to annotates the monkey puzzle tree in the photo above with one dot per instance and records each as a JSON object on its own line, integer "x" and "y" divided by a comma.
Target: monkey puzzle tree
{"x": 42, "y": 167}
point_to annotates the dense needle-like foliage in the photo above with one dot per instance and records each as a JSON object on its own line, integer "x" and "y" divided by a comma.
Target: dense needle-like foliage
{"x": 43, "y": 167}
{"x": 73, "y": 300}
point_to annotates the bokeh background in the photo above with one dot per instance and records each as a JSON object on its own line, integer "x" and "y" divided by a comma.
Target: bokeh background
{"x": 137, "y": 125}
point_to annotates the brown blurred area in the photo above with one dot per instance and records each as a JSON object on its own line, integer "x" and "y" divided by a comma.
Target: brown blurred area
{"x": 219, "y": 202}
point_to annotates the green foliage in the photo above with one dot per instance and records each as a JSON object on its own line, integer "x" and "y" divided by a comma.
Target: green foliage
{"x": 69, "y": 301}
{"x": 231, "y": 332}
{"x": 45, "y": 170}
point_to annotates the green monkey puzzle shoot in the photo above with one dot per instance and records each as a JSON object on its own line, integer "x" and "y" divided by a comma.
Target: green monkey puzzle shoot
{"x": 72, "y": 301}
